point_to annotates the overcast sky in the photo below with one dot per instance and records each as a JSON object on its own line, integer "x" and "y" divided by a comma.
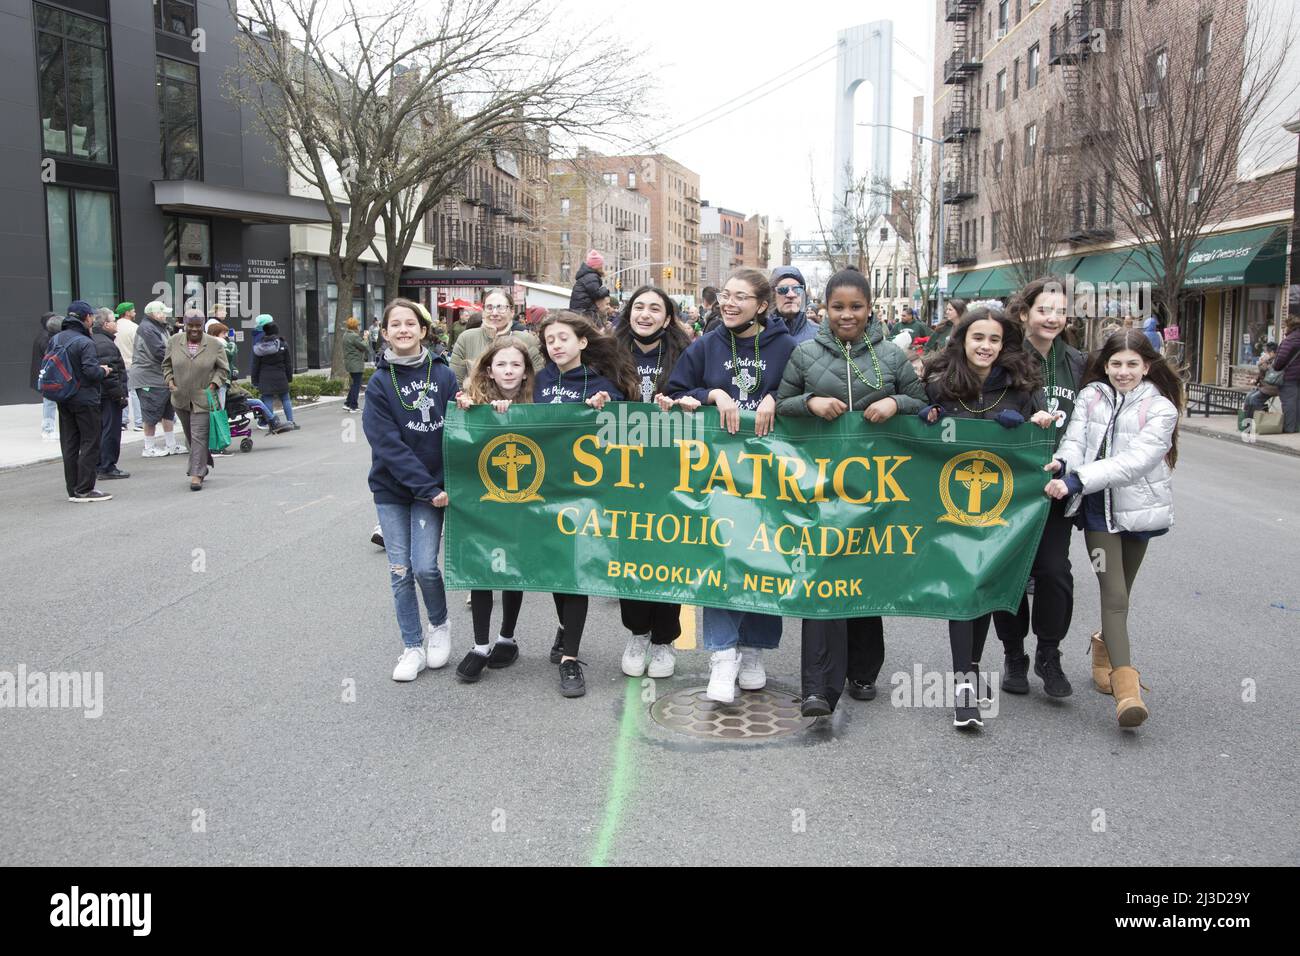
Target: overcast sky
{"x": 757, "y": 156}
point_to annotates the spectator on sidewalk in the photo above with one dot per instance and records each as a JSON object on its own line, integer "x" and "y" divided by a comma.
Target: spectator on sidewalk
{"x": 1288, "y": 359}
{"x": 112, "y": 399}
{"x": 588, "y": 288}
{"x": 125, "y": 340}
{"x": 354, "y": 362}
{"x": 147, "y": 381}
{"x": 272, "y": 370}
{"x": 79, "y": 415}
{"x": 197, "y": 372}
{"x": 49, "y": 410}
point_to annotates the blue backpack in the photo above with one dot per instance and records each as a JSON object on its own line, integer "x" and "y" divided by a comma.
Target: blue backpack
{"x": 58, "y": 379}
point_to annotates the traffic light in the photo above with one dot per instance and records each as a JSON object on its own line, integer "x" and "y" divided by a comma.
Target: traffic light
{"x": 668, "y": 272}
{"x": 618, "y": 285}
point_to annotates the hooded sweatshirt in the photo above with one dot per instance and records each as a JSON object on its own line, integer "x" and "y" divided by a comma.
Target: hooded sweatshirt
{"x": 706, "y": 364}
{"x": 1062, "y": 373}
{"x": 406, "y": 443}
{"x": 799, "y": 326}
{"x": 1150, "y": 328}
{"x": 271, "y": 371}
{"x": 576, "y": 385}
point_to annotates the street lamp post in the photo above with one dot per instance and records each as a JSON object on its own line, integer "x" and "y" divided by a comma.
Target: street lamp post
{"x": 938, "y": 270}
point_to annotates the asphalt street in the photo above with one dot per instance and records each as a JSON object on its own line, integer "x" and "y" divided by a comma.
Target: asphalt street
{"x": 246, "y": 636}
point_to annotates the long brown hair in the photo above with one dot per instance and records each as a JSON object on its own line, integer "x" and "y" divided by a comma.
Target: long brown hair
{"x": 950, "y": 370}
{"x": 482, "y": 387}
{"x": 675, "y": 340}
{"x": 604, "y": 354}
{"x": 1161, "y": 375}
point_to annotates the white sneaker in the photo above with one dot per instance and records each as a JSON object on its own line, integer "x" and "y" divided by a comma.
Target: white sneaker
{"x": 439, "y": 643}
{"x": 724, "y": 667}
{"x": 49, "y": 436}
{"x": 634, "y": 655}
{"x": 663, "y": 660}
{"x": 154, "y": 452}
{"x": 752, "y": 675}
{"x": 410, "y": 664}
{"x": 178, "y": 449}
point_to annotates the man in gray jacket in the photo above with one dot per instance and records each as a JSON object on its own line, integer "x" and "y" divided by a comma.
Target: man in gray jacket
{"x": 150, "y": 386}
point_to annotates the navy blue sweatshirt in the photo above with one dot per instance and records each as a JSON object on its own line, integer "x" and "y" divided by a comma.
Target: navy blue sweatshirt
{"x": 406, "y": 444}
{"x": 706, "y": 364}
{"x": 552, "y": 388}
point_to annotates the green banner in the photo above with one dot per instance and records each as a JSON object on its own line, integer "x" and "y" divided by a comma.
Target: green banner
{"x": 816, "y": 520}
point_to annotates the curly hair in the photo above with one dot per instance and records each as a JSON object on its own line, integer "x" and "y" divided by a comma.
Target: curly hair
{"x": 483, "y": 388}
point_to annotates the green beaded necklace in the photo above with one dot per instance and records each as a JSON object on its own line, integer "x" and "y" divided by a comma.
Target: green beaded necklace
{"x": 428, "y": 380}
{"x": 861, "y": 375}
{"x": 746, "y": 385}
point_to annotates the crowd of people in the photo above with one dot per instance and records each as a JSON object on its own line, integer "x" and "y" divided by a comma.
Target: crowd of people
{"x": 760, "y": 347}
{"x": 101, "y": 372}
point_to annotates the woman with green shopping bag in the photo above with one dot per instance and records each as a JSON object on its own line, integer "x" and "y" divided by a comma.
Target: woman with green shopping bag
{"x": 195, "y": 369}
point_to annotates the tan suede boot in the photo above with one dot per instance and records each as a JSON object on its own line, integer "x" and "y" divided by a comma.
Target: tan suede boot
{"x": 1128, "y": 697}
{"x": 1100, "y": 664}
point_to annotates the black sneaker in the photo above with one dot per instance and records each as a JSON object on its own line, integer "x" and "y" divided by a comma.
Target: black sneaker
{"x": 470, "y": 669}
{"x": 965, "y": 711}
{"x": 572, "y": 683}
{"x": 1015, "y": 674}
{"x": 815, "y": 705}
{"x": 92, "y": 496}
{"x": 860, "y": 690}
{"x": 504, "y": 652}
{"x": 1047, "y": 665}
{"x": 557, "y": 649}
{"x": 115, "y": 473}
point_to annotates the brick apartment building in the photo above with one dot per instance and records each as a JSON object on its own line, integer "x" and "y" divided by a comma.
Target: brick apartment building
{"x": 587, "y": 211}
{"x": 1006, "y": 77}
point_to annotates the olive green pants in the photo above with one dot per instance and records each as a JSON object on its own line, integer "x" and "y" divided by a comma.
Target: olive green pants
{"x": 1116, "y": 560}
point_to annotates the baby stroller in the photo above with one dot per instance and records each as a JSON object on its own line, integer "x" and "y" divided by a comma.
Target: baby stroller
{"x": 242, "y": 410}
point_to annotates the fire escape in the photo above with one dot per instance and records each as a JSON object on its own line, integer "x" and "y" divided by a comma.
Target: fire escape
{"x": 961, "y": 127}
{"x": 1085, "y": 33}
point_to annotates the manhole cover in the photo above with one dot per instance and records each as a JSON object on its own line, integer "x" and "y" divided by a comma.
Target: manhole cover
{"x": 755, "y": 714}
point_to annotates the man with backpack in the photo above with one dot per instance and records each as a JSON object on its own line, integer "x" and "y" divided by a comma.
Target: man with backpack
{"x": 70, "y": 376}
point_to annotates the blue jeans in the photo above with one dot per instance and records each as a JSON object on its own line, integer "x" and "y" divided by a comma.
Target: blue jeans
{"x": 726, "y": 629}
{"x": 284, "y": 400}
{"x": 412, "y": 536}
{"x": 49, "y": 417}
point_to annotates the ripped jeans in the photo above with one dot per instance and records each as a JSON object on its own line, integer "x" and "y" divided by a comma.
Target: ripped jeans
{"x": 412, "y": 537}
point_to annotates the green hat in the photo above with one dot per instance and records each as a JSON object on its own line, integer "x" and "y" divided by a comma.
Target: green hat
{"x": 124, "y": 308}
{"x": 262, "y": 320}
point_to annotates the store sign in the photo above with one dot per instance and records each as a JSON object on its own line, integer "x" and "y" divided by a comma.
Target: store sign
{"x": 268, "y": 271}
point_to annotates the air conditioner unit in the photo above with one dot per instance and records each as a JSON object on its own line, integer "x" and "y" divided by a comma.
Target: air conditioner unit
{"x": 1193, "y": 195}
{"x": 1142, "y": 209}
{"x": 999, "y": 34}
{"x": 1150, "y": 100}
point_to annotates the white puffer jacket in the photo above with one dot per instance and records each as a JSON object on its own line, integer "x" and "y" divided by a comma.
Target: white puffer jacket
{"x": 1134, "y": 477}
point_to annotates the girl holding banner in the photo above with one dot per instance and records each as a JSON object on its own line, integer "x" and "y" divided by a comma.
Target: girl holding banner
{"x": 648, "y": 329}
{"x": 1114, "y": 472}
{"x": 983, "y": 372}
{"x": 586, "y": 366}
{"x": 501, "y": 376}
{"x": 846, "y": 367}
{"x": 737, "y": 365}
{"x": 406, "y": 402}
{"x": 1041, "y": 308}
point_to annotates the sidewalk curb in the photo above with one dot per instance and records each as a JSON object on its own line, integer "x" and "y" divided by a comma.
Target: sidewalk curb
{"x": 138, "y": 436}
{"x": 1235, "y": 438}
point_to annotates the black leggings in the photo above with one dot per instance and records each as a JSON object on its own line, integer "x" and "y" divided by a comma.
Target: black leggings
{"x": 480, "y": 603}
{"x": 571, "y": 609}
{"x": 832, "y": 651}
{"x": 663, "y": 622}
{"x": 1053, "y": 590}
{"x": 967, "y": 641}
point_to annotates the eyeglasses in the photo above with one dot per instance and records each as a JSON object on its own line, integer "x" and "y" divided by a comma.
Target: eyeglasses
{"x": 789, "y": 289}
{"x": 726, "y": 298}
{"x": 496, "y": 308}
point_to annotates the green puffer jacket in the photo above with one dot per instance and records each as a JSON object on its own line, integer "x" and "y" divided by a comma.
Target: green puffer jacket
{"x": 818, "y": 369}
{"x": 354, "y": 352}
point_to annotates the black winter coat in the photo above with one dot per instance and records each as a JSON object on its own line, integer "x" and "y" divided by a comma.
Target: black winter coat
{"x": 587, "y": 288}
{"x": 114, "y": 385}
{"x": 272, "y": 369}
{"x": 998, "y": 396}
{"x": 84, "y": 359}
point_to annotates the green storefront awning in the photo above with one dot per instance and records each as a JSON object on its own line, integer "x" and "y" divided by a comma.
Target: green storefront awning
{"x": 1102, "y": 267}
{"x": 1253, "y": 257}
{"x": 1000, "y": 283}
{"x": 967, "y": 284}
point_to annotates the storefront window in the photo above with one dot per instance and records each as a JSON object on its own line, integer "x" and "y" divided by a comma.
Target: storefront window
{"x": 1261, "y": 306}
{"x": 83, "y": 246}
{"x": 72, "y": 75}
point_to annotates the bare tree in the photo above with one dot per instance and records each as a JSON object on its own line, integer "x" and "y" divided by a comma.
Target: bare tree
{"x": 859, "y": 211}
{"x": 1031, "y": 199}
{"x": 1172, "y": 113}
{"x": 916, "y": 209}
{"x": 380, "y": 108}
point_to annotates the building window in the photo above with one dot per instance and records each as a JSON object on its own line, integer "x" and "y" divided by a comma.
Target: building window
{"x": 1204, "y": 45}
{"x": 1004, "y": 16}
{"x": 994, "y": 238}
{"x": 564, "y": 207}
{"x": 1031, "y": 67}
{"x": 564, "y": 238}
{"x": 999, "y": 151}
{"x": 83, "y": 246}
{"x": 72, "y": 73}
{"x": 1015, "y": 78}
{"x": 1002, "y": 89}
{"x": 611, "y": 179}
{"x": 631, "y": 179}
{"x": 178, "y": 108}
{"x": 1031, "y": 143}
{"x": 174, "y": 16}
